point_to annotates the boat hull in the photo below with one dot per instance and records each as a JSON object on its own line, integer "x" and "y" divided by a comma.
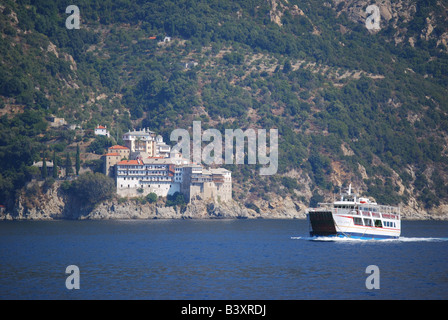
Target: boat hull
{"x": 329, "y": 224}
{"x": 361, "y": 236}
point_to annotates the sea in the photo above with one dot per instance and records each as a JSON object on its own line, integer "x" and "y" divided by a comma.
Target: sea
{"x": 240, "y": 259}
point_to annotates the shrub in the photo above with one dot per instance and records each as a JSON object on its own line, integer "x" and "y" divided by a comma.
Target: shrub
{"x": 151, "y": 197}
{"x": 175, "y": 199}
{"x": 93, "y": 188}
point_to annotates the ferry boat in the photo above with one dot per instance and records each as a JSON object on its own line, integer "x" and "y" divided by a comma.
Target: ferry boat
{"x": 354, "y": 217}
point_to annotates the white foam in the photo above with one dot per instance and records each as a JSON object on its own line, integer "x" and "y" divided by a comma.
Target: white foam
{"x": 416, "y": 239}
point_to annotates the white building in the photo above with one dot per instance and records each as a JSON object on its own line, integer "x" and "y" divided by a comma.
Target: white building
{"x": 200, "y": 183}
{"x": 102, "y": 131}
{"x": 163, "y": 176}
{"x": 161, "y": 148}
{"x": 189, "y": 65}
{"x": 146, "y": 142}
{"x": 152, "y": 167}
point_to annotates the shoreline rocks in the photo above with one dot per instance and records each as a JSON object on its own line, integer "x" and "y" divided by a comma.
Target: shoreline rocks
{"x": 55, "y": 204}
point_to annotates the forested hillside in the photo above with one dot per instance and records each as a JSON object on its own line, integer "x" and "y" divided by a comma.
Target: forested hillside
{"x": 350, "y": 104}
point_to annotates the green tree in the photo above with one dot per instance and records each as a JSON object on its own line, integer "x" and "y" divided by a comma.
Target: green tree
{"x": 92, "y": 188}
{"x": 151, "y": 197}
{"x": 44, "y": 168}
{"x": 78, "y": 161}
{"x": 287, "y": 67}
{"x": 100, "y": 144}
{"x": 68, "y": 165}
{"x": 176, "y": 199}
{"x": 55, "y": 166}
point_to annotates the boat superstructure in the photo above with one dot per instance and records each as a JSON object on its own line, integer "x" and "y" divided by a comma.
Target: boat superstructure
{"x": 355, "y": 217}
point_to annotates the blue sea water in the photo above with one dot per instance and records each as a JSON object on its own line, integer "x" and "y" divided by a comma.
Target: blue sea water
{"x": 217, "y": 259}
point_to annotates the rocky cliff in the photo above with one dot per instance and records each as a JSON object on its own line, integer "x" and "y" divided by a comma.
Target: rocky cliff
{"x": 53, "y": 203}
{"x": 409, "y": 19}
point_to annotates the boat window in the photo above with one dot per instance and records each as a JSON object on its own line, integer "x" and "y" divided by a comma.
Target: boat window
{"x": 357, "y": 221}
{"x": 378, "y": 224}
{"x": 368, "y": 222}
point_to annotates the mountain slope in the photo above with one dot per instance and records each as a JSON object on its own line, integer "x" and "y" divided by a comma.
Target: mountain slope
{"x": 350, "y": 105}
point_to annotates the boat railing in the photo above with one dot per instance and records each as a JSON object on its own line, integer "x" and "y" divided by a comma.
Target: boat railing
{"x": 377, "y": 211}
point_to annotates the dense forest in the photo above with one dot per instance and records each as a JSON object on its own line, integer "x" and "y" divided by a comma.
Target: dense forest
{"x": 350, "y": 105}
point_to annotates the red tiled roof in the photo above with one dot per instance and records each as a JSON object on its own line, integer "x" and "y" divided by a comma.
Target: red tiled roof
{"x": 112, "y": 154}
{"x": 130, "y": 162}
{"x": 117, "y": 147}
{"x": 100, "y": 127}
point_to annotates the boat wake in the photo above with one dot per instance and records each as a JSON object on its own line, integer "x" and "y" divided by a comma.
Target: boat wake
{"x": 347, "y": 239}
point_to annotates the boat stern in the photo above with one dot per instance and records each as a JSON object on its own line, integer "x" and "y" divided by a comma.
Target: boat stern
{"x": 321, "y": 223}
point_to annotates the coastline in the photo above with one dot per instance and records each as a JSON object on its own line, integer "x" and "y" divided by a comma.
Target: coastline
{"x": 54, "y": 204}
{"x": 197, "y": 209}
